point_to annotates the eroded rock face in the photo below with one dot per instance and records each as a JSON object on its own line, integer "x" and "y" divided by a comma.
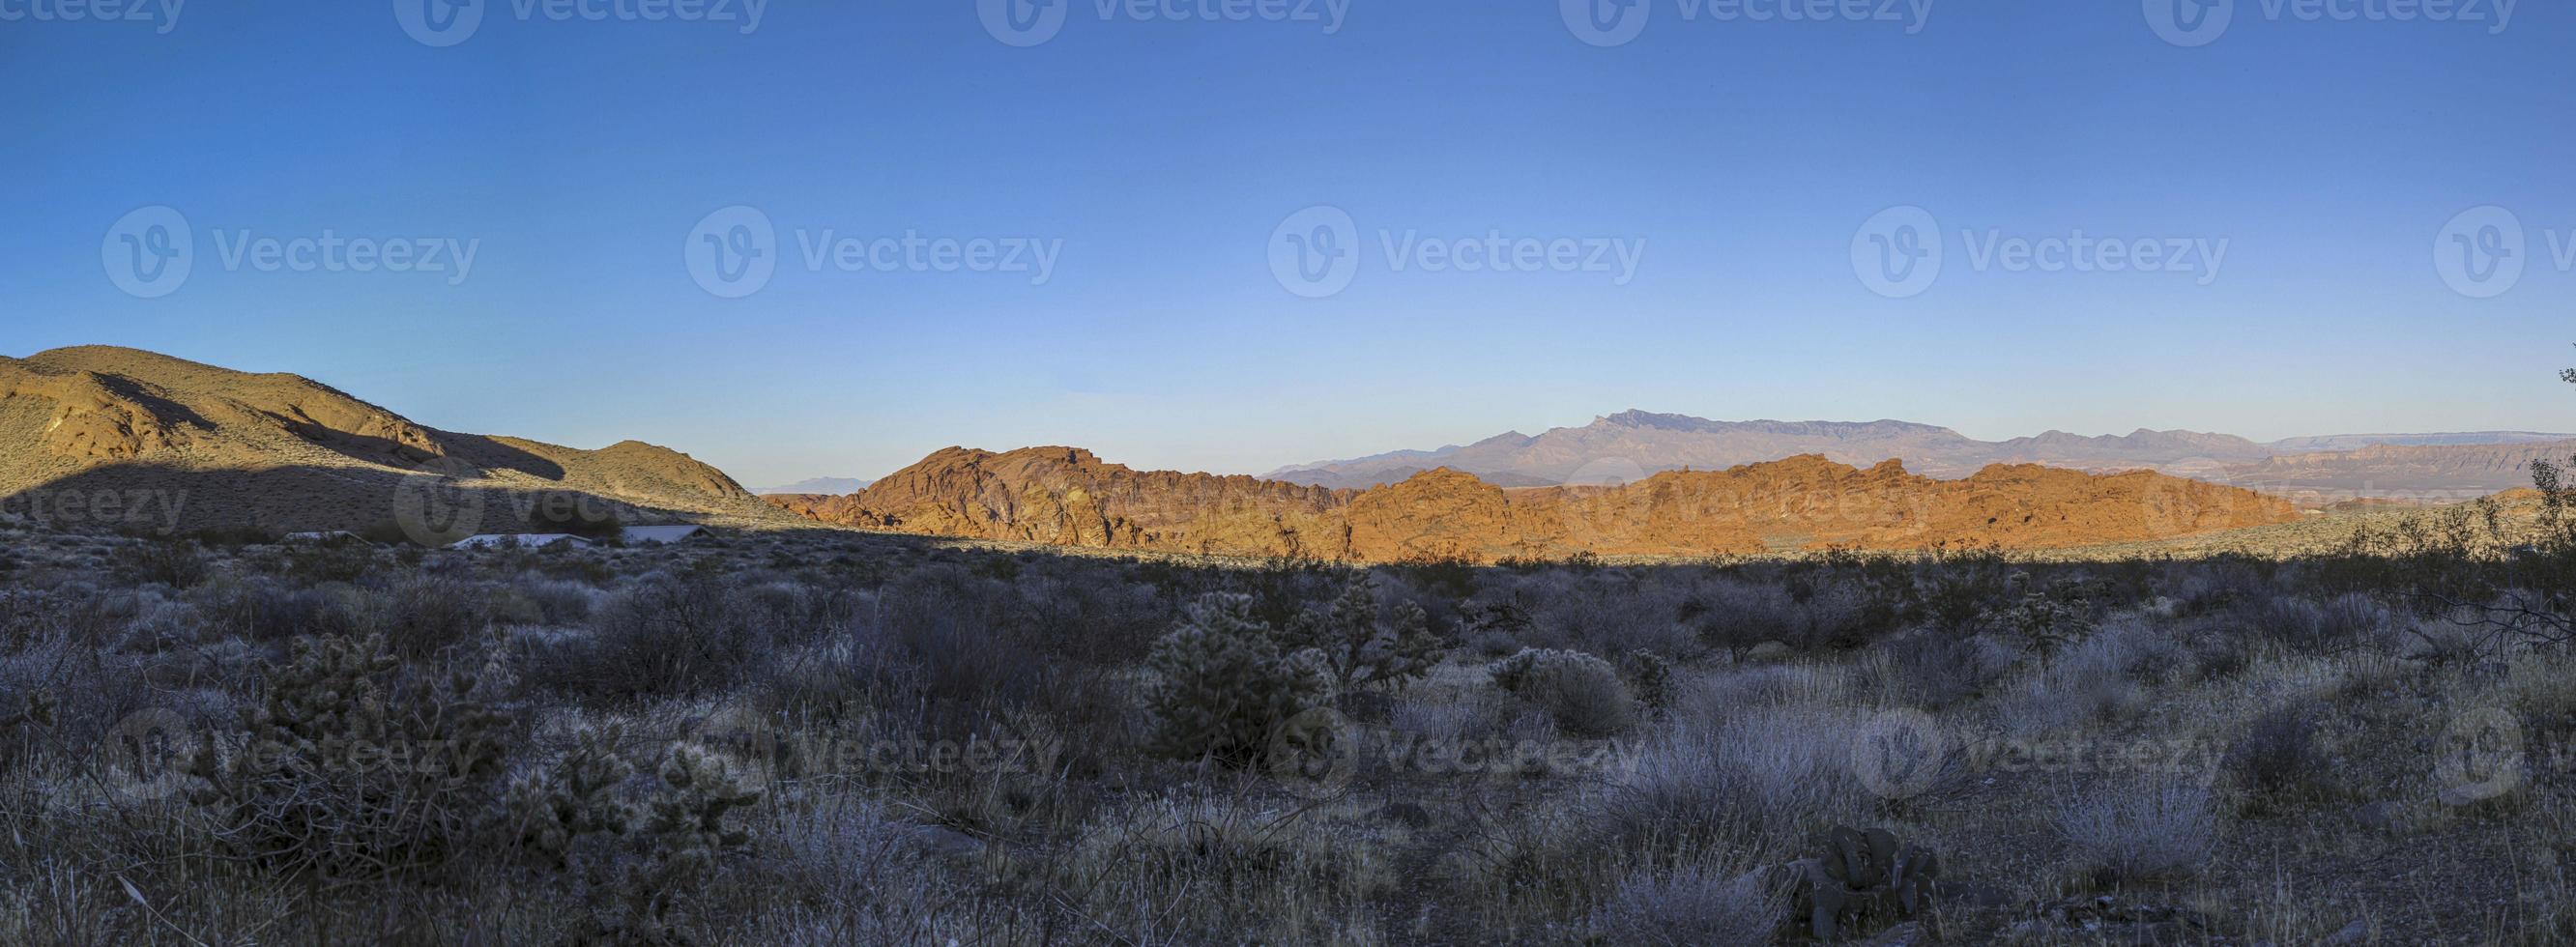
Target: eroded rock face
{"x": 1069, "y": 496}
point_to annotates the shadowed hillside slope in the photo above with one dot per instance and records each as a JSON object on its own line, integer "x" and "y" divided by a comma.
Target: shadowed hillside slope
{"x": 282, "y": 452}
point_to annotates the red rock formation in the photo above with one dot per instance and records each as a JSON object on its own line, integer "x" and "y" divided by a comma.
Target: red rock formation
{"x": 1068, "y": 496}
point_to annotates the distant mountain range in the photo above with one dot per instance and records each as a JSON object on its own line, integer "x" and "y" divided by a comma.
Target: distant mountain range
{"x": 1632, "y": 445}
{"x": 823, "y": 486}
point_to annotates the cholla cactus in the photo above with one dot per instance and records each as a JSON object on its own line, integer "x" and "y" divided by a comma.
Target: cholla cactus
{"x": 1221, "y": 686}
{"x": 575, "y": 797}
{"x": 1361, "y": 648}
{"x": 638, "y": 861}
{"x": 1652, "y": 676}
{"x": 353, "y": 769}
{"x": 1534, "y": 668}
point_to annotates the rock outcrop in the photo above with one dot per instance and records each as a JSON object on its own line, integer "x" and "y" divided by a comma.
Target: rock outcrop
{"x": 1068, "y": 496}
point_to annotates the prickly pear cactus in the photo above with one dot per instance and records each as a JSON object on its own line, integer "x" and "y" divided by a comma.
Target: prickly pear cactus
{"x": 1855, "y": 881}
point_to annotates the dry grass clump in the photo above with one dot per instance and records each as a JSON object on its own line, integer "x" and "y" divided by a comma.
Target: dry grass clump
{"x": 2139, "y": 832}
{"x": 1207, "y": 867}
{"x": 1698, "y": 903}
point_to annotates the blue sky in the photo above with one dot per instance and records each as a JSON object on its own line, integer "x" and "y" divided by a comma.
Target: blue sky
{"x": 1160, "y": 153}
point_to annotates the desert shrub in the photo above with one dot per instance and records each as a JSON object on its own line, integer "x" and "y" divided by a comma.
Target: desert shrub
{"x": 1736, "y": 615}
{"x": 261, "y": 609}
{"x": 1220, "y": 687}
{"x": 1582, "y": 692}
{"x": 666, "y": 635}
{"x": 873, "y": 882}
{"x": 1613, "y": 612}
{"x": 1093, "y": 615}
{"x": 1447, "y": 578}
{"x": 1844, "y": 613}
{"x": 2048, "y": 618}
{"x": 340, "y": 560}
{"x": 179, "y": 565}
{"x": 963, "y": 642}
{"x": 422, "y": 616}
{"x": 1208, "y": 869}
{"x": 2138, "y": 832}
{"x": 557, "y": 602}
{"x": 2091, "y": 682}
{"x": 1759, "y": 781}
{"x": 1698, "y": 903}
{"x": 1358, "y": 646}
{"x": 351, "y": 767}
{"x": 2277, "y": 756}
{"x": 1933, "y": 670}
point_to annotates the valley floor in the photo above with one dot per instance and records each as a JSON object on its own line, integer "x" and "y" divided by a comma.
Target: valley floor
{"x": 828, "y": 736}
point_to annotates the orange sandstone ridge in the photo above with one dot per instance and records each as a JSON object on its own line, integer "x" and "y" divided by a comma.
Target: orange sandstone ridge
{"x": 1068, "y": 496}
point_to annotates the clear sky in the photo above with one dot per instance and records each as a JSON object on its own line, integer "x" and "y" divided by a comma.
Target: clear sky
{"x": 1687, "y": 207}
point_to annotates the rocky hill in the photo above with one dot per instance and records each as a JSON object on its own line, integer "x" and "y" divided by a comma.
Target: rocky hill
{"x": 114, "y": 438}
{"x": 1068, "y": 496}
